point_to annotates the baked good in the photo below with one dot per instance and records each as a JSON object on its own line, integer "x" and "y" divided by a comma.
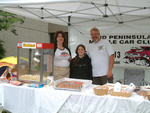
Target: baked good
{"x": 70, "y": 85}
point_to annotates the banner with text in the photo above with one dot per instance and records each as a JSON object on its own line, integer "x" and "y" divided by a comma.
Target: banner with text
{"x": 130, "y": 49}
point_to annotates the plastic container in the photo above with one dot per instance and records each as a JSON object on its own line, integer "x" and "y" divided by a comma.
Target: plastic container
{"x": 50, "y": 80}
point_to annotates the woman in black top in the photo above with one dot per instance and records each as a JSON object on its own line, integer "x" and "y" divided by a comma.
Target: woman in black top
{"x": 80, "y": 66}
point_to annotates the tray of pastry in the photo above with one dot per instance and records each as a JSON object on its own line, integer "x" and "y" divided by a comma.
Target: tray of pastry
{"x": 71, "y": 84}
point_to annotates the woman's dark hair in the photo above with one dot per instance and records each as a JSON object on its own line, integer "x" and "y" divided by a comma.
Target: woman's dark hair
{"x": 77, "y": 59}
{"x": 63, "y": 35}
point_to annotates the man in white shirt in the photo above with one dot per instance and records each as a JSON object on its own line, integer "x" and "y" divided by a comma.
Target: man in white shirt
{"x": 102, "y": 58}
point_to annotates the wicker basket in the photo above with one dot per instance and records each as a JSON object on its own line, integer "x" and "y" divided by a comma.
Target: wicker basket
{"x": 101, "y": 90}
{"x": 121, "y": 94}
{"x": 148, "y": 95}
{"x": 142, "y": 93}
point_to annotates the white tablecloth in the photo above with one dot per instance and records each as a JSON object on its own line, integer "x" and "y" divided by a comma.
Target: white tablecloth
{"x": 21, "y": 99}
{"x": 1, "y": 93}
{"x": 105, "y": 104}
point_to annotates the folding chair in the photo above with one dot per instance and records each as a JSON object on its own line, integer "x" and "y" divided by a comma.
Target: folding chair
{"x": 135, "y": 76}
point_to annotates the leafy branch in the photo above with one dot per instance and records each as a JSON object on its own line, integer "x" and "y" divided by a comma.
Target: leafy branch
{"x": 7, "y": 21}
{"x": 2, "y": 50}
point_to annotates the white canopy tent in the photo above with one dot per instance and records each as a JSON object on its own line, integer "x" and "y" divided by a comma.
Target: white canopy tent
{"x": 81, "y": 12}
{"x": 112, "y": 17}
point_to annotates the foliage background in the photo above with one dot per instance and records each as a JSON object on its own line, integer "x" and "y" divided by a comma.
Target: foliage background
{"x": 7, "y": 21}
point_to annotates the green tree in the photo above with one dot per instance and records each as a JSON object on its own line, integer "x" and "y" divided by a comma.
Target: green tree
{"x": 7, "y": 21}
{"x": 2, "y": 50}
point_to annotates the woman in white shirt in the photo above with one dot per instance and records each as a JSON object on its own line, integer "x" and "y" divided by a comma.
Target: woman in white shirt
{"x": 62, "y": 56}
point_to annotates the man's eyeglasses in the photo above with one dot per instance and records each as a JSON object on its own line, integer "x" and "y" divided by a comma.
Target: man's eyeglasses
{"x": 94, "y": 34}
